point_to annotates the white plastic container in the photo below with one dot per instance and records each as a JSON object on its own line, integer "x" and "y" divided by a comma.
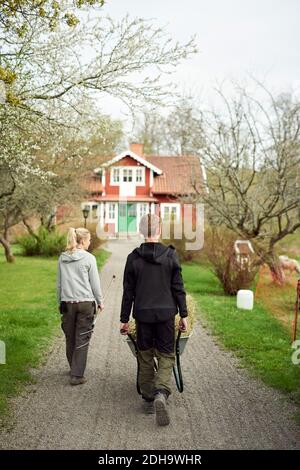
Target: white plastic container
{"x": 245, "y": 299}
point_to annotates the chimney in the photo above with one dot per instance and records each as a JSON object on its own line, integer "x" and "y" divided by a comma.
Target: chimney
{"x": 137, "y": 148}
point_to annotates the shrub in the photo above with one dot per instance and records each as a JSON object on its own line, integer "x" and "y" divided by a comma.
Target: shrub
{"x": 179, "y": 244}
{"x": 96, "y": 242}
{"x": 42, "y": 243}
{"x": 219, "y": 247}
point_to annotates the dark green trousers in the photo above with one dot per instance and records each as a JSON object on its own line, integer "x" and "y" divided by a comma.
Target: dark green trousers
{"x": 77, "y": 324}
{"x": 155, "y": 340}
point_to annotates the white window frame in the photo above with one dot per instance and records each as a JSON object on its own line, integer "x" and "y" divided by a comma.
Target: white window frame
{"x": 142, "y": 205}
{"x": 142, "y": 169}
{"x": 112, "y": 171}
{"x": 133, "y": 170}
{"x": 170, "y": 205}
{"x": 128, "y": 170}
{"x": 108, "y": 218}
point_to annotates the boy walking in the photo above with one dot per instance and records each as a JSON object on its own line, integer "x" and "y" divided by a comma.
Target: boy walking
{"x": 153, "y": 284}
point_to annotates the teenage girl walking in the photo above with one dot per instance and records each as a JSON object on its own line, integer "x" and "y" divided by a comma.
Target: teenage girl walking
{"x": 79, "y": 294}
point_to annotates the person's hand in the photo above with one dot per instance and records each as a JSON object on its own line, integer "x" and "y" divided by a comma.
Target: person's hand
{"x": 101, "y": 307}
{"x": 124, "y": 329}
{"x": 183, "y": 324}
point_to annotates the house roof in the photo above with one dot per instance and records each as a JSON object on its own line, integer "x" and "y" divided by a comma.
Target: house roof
{"x": 179, "y": 174}
{"x": 136, "y": 157}
{"x": 243, "y": 247}
{"x": 174, "y": 175}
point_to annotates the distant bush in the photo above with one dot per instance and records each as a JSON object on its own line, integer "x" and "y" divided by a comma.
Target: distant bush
{"x": 96, "y": 242}
{"x": 42, "y": 243}
{"x": 219, "y": 248}
{"x": 180, "y": 244}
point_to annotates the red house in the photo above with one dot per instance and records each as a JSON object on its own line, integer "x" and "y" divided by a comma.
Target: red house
{"x": 130, "y": 185}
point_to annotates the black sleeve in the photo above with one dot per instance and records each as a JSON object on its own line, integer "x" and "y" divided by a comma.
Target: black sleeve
{"x": 128, "y": 291}
{"x": 178, "y": 286}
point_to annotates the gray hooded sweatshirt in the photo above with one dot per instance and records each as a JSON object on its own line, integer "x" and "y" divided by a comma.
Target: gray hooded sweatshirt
{"x": 78, "y": 277}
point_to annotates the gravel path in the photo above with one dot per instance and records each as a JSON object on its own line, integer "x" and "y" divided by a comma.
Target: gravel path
{"x": 222, "y": 407}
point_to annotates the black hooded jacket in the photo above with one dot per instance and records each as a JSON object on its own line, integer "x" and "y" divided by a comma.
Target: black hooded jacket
{"x": 153, "y": 284}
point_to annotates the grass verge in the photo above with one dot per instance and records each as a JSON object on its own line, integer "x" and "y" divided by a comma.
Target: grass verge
{"x": 258, "y": 339}
{"x": 29, "y": 318}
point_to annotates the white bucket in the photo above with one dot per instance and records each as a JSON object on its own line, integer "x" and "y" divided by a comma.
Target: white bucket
{"x": 244, "y": 299}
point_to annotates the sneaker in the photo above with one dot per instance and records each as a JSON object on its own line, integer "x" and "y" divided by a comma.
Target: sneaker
{"x": 77, "y": 380}
{"x": 148, "y": 407}
{"x": 160, "y": 405}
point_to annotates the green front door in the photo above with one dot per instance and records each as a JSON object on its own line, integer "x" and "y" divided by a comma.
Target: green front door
{"x": 122, "y": 217}
{"x": 127, "y": 217}
{"x": 131, "y": 217}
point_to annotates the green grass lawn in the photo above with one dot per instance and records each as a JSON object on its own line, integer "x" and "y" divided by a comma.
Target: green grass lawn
{"x": 260, "y": 341}
{"x": 29, "y": 317}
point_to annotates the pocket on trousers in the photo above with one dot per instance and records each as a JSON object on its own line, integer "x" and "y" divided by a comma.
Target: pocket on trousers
{"x": 63, "y": 307}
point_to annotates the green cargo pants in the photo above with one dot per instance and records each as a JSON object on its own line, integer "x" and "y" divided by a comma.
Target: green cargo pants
{"x": 155, "y": 340}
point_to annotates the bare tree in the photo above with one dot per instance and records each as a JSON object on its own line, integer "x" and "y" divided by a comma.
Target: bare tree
{"x": 252, "y": 158}
{"x": 177, "y": 133}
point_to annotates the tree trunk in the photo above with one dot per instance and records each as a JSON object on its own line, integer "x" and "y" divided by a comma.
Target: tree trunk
{"x": 7, "y": 249}
{"x": 30, "y": 230}
{"x": 276, "y": 271}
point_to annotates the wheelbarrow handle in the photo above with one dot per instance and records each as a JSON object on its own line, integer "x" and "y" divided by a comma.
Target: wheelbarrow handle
{"x": 177, "y": 367}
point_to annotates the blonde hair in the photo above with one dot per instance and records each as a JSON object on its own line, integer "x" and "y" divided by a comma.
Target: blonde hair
{"x": 149, "y": 224}
{"x": 74, "y": 237}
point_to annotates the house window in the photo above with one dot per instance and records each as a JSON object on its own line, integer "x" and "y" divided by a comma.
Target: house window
{"x": 170, "y": 212}
{"x": 166, "y": 213}
{"x": 94, "y": 211}
{"x": 143, "y": 209}
{"x": 139, "y": 175}
{"x": 115, "y": 175}
{"x": 122, "y": 210}
{"x": 127, "y": 175}
{"x": 112, "y": 211}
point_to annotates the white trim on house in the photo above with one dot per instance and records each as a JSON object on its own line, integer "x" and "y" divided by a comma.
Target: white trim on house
{"x": 108, "y": 211}
{"x": 135, "y": 157}
{"x": 127, "y": 189}
{"x": 121, "y": 170}
{"x": 117, "y": 218}
{"x": 170, "y": 205}
{"x": 151, "y": 179}
{"x": 101, "y": 214}
{"x": 112, "y": 171}
{"x": 140, "y": 213}
{"x": 143, "y": 170}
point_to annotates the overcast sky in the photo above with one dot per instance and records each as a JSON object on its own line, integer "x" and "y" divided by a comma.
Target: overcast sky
{"x": 235, "y": 38}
